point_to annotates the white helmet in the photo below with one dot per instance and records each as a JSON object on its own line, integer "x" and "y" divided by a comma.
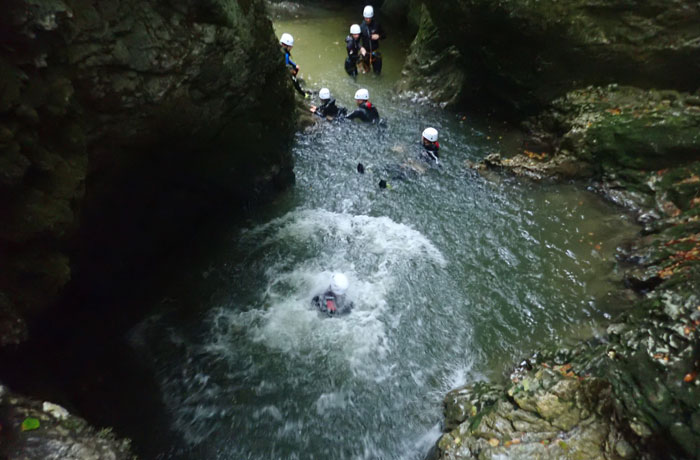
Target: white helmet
{"x": 339, "y": 283}
{"x": 325, "y": 93}
{"x": 355, "y": 29}
{"x": 368, "y": 12}
{"x": 362, "y": 94}
{"x": 431, "y": 134}
{"x": 287, "y": 39}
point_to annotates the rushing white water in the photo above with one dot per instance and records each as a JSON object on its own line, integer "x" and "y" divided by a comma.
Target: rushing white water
{"x": 453, "y": 278}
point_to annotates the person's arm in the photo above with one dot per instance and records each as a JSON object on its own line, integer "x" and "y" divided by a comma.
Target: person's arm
{"x": 354, "y": 114}
{"x": 380, "y": 32}
{"x": 350, "y": 46}
{"x": 288, "y": 61}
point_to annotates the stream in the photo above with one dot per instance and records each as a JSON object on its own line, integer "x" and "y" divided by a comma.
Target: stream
{"x": 454, "y": 278}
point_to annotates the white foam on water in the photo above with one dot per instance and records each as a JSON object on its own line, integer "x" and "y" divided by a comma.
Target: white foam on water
{"x": 299, "y": 253}
{"x": 284, "y": 319}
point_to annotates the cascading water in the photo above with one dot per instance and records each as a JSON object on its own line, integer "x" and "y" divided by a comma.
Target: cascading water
{"x": 453, "y": 278}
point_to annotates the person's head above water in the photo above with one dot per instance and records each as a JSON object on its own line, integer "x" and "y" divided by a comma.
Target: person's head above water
{"x": 361, "y": 95}
{"x": 324, "y": 94}
{"x": 355, "y": 31}
{"x": 430, "y": 135}
{"x": 368, "y": 13}
{"x": 287, "y": 40}
{"x": 339, "y": 283}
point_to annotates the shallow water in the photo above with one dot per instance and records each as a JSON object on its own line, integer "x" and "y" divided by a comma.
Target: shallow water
{"x": 453, "y": 277}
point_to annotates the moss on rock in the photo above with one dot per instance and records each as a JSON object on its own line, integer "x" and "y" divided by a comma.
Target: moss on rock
{"x": 524, "y": 54}
{"x": 127, "y": 116}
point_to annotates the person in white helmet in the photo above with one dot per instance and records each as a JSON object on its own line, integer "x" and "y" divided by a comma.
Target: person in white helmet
{"x": 327, "y": 109}
{"x": 333, "y": 301}
{"x": 353, "y": 44}
{"x": 287, "y": 42}
{"x": 371, "y": 32}
{"x": 365, "y": 111}
{"x": 430, "y": 144}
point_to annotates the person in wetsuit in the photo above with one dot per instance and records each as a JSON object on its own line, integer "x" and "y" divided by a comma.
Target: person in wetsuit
{"x": 287, "y": 42}
{"x": 430, "y": 146}
{"x": 353, "y": 44}
{"x": 371, "y": 33}
{"x": 333, "y": 301}
{"x": 365, "y": 111}
{"x": 327, "y": 109}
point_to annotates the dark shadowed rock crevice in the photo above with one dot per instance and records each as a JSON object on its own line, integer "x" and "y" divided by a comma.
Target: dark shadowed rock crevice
{"x": 124, "y": 124}
{"x": 125, "y": 128}
{"x": 523, "y": 54}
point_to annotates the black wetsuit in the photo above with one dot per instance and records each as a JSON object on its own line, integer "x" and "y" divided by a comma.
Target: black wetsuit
{"x": 332, "y": 304}
{"x": 329, "y": 109}
{"x": 372, "y": 46}
{"x": 353, "y": 48}
{"x": 365, "y": 112}
{"x": 430, "y": 151}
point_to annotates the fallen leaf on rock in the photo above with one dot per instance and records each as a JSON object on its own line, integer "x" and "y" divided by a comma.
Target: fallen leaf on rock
{"x": 694, "y": 179}
{"x": 30, "y": 423}
{"x": 671, "y": 209}
{"x": 563, "y": 369}
{"x": 494, "y": 442}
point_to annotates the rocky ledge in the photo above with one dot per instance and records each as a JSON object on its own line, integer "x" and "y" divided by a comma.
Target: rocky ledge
{"x": 30, "y": 430}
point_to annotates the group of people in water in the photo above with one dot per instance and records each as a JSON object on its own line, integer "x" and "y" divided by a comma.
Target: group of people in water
{"x": 362, "y": 45}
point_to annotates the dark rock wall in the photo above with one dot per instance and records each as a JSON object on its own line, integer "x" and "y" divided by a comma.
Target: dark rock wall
{"x": 121, "y": 124}
{"x": 523, "y": 54}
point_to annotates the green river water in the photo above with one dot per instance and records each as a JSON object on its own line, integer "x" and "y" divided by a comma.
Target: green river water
{"x": 454, "y": 278}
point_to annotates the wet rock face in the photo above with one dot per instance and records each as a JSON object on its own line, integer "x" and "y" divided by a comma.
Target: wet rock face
{"x": 614, "y": 132}
{"x": 116, "y": 112}
{"x": 526, "y": 53}
{"x": 548, "y": 413}
{"x": 45, "y": 431}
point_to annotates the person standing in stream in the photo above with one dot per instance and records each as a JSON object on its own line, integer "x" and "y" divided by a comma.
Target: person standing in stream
{"x": 353, "y": 44}
{"x": 371, "y": 33}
